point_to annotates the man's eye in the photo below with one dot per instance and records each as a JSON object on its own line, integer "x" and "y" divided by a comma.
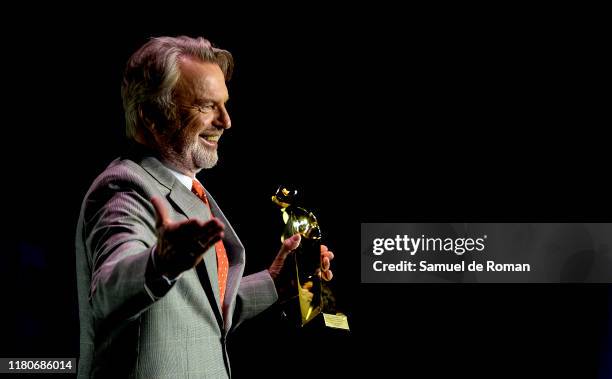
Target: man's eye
{"x": 206, "y": 107}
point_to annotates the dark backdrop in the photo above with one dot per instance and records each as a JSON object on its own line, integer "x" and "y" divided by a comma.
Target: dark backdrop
{"x": 378, "y": 115}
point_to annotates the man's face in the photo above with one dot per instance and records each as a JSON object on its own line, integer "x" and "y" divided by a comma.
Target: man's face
{"x": 200, "y": 95}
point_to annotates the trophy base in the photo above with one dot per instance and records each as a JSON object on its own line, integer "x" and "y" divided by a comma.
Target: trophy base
{"x": 327, "y": 320}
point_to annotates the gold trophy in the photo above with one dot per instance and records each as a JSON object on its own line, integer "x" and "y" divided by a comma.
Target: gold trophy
{"x": 314, "y": 295}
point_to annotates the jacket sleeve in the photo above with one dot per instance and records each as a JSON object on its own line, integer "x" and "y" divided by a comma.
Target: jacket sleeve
{"x": 120, "y": 236}
{"x": 256, "y": 293}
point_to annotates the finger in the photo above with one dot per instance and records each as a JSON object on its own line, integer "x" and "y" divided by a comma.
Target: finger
{"x": 203, "y": 224}
{"x": 323, "y": 248}
{"x": 162, "y": 219}
{"x": 327, "y": 254}
{"x": 196, "y": 235}
{"x": 211, "y": 240}
{"x": 195, "y": 228}
{"x": 290, "y": 244}
{"x": 325, "y": 264}
{"x": 327, "y": 275}
{"x": 209, "y": 228}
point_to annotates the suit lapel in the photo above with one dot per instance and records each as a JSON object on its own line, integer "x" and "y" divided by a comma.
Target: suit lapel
{"x": 235, "y": 256}
{"x": 190, "y": 206}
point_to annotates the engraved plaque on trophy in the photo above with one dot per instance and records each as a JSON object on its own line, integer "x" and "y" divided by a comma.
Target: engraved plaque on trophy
{"x": 316, "y": 301}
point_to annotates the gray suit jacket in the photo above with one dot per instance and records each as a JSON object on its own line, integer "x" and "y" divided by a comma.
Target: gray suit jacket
{"x": 126, "y": 330}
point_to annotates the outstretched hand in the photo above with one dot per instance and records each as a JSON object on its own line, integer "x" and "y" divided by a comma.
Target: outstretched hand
{"x": 181, "y": 245}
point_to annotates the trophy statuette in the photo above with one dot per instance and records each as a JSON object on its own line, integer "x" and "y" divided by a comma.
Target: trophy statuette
{"x": 316, "y": 301}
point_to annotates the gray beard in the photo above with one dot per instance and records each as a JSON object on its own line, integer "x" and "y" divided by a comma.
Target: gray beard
{"x": 193, "y": 159}
{"x": 204, "y": 158}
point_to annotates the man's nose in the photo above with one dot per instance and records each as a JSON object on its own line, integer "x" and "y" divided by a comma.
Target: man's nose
{"x": 223, "y": 119}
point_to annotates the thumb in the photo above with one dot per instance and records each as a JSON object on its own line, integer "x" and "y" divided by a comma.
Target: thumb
{"x": 290, "y": 244}
{"x": 161, "y": 214}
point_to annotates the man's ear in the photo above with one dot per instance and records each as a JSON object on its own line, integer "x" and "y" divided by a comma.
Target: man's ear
{"x": 145, "y": 115}
{"x": 150, "y": 124}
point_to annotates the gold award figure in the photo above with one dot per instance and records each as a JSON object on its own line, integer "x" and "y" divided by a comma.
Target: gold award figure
{"x": 314, "y": 295}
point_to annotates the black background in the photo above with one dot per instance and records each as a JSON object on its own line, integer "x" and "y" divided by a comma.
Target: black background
{"x": 379, "y": 115}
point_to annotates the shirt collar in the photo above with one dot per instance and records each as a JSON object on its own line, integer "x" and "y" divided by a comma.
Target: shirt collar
{"x": 184, "y": 179}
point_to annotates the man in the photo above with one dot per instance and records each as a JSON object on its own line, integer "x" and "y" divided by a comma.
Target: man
{"x": 159, "y": 268}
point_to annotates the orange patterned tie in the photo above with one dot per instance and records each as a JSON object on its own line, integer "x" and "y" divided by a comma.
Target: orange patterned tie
{"x": 222, "y": 262}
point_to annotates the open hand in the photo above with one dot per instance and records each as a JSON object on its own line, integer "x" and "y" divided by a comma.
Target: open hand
{"x": 180, "y": 245}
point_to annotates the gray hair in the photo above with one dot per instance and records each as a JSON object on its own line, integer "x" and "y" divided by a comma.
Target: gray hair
{"x": 152, "y": 72}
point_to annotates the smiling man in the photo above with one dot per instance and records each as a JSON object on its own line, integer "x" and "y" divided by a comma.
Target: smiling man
{"x": 159, "y": 268}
